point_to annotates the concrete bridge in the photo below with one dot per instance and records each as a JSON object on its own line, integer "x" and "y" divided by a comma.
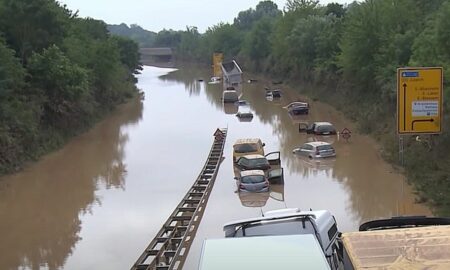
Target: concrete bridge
{"x": 162, "y": 56}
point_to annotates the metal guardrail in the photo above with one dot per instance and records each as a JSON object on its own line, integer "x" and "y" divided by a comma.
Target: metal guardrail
{"x": 169, "y": 249}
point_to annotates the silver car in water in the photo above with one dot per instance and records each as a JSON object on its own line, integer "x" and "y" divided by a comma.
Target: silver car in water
{"x": 316, "y": 150}
{"x": 253, "y": 181}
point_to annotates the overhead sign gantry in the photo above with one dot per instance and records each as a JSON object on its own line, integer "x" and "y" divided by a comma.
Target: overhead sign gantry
{"x": 419, "y": 100}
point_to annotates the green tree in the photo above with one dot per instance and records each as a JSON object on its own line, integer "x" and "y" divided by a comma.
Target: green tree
{"x": 167, "y": 38}
{"x": 135, "y": 32}
{"x": 225, "y": 38}
{"x": 32, "y": 25}
{"x": 257, "y": 45}
{"x": 306, "y": 6}
{"x": 129, "y": 53}
{"x": 18, "y": 121}
{"x": 335, "y": 9}
{"x": 246, "y": 19}
{"x": 62, "y": 85}
{"x": 189, "y": 47}
{"x": 361, "y": 40}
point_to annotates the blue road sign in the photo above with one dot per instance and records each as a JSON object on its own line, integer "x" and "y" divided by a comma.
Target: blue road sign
{"x": 410, "y": 74}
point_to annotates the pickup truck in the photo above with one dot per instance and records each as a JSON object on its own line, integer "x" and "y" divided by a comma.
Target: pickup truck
{"x": 397, "y": 243}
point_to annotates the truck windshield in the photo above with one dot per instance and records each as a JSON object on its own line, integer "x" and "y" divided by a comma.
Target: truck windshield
{"x": 245, "y": 148}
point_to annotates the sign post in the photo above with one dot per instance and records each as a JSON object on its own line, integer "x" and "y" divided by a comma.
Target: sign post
{"x": 419, "y": 100}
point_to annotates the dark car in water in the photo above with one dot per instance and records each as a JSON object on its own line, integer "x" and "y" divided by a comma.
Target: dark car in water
{"x": 298, "y": 108}
{"x": 320, "y": 128}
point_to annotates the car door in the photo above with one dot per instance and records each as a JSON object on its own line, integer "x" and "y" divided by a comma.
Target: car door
{"x": 303, "y": 127}
{"x": 274, "y": 158}
{"x": 275, "y": 176}
{"x": 277, "y": 192}
{"x": 310, "y": 129}
{"x": 241, "y": 163}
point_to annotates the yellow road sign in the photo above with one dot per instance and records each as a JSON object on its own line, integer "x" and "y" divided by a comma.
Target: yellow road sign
{"x": 217, "y": 60}
{"x": 419, "y": 100}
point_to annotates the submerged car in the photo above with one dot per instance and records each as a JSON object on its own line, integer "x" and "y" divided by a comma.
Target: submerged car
{"x": 276, "y": 93}
{"x": 318, "y": 128}
{"x": 253, "y": 199}
{"x": 253, "y": 181}
{"x": 296, "y": 104}
{"x": 316, "y": 150}
{"x": 298, "y": 108}
{"x": 258, "y": 162}
{"x": 253, "y": 162}
{"x": 244, "y": 116}
{"x": 247, "y": 146}
{"x": 270, "y": 164}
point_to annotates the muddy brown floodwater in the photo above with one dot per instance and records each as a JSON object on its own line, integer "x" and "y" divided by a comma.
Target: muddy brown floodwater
{"x": 97, "y": 203}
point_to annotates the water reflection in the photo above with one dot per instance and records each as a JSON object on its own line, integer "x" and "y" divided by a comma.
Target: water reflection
{"x": 230, "y": 108}
{"x": 331, "y": 139}
{"x": 277, "y": 192}
{"x": 40, "y": 207}
{"x": 259, "y": 199}
{"x": 189, "y": 77}
{"x": 253, "y": 199}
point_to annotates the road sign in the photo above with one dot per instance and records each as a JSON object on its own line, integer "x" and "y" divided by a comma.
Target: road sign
{"x": 217, "y": 60}
{"x": 419, "y": 100}
{"x": 346, "y": 134}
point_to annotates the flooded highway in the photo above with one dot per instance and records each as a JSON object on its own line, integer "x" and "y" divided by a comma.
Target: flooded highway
{"x": 98, "y": 202}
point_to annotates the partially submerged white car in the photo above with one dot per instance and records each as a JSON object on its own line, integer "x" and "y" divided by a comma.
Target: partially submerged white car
{"x": 316, "y": 150}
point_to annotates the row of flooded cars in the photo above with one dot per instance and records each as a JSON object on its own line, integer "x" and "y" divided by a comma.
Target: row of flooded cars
{"x": 253, "y": 169}
{"x": 278, "y": 239}
{"x": 315, "y": 149}
{"x": 297, "y": 239}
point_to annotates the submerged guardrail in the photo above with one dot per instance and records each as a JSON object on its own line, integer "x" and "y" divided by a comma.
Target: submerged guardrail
{"x": 169, "y": 249}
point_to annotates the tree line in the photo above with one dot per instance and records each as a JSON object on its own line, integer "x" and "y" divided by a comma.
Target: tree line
{"x": 58, "y": 74}
{"x": 351, "y": 54}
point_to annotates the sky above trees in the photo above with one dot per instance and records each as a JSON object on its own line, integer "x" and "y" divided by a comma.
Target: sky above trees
{"x": 167, "y": 14}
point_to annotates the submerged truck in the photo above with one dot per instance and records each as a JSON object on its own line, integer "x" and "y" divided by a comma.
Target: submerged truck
{"x": 294, "y": 239}
{"x": 398, "y": 243}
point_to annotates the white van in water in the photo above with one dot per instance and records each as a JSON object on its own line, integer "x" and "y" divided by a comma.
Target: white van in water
{"x": 230, "y": 96}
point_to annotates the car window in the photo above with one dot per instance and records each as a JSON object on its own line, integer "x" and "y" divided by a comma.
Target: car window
{"x": 259, "y": 162}
{"x": 245, "y": 148}
{"x": 243, "y": 161}
{"x": 325, "y": 128}
{"x": 324, "y": 147}
{"x": 252, "y": 179}
{"x": 307, "y": 147}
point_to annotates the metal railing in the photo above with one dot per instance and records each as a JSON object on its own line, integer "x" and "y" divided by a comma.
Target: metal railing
{"x": 169, "y": 249}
